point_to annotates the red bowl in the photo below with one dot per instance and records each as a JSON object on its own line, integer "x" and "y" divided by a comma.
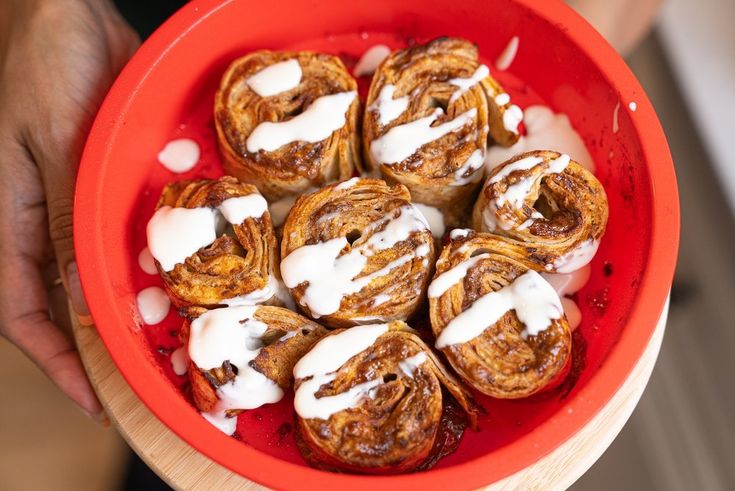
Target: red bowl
{"x": 167, "y": 90}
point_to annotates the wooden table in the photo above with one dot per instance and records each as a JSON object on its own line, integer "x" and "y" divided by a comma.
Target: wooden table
{"x": 182, "y": 467}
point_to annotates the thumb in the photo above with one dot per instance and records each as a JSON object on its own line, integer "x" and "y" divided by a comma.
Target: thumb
{"x": 59, "y": 176}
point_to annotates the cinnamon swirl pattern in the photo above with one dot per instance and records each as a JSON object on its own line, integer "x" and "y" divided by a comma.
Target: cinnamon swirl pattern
{"x": 500, "y": 324}
{"x": 429, "y": 113}
{"x": 243, "y": 357}
{"x": 357, "y": 252}
{"x": 287, "y": 121}
{"x": 369, "y": 399}
{"x": 546, "y": 201}
{"x": 213, "y": 243}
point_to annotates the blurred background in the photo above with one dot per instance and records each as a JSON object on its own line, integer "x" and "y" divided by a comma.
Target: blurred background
{"x": 682, "y": 434}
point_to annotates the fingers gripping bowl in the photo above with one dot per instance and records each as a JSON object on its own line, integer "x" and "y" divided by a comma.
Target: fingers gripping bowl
{"x": 120, "y": 182}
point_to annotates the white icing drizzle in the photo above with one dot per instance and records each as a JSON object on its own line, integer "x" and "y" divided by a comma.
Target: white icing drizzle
{"x": 153, "y": 305}
{"x": 219, "y": 335}
{"x": 232, "y": 334}
{"x": 402, "y": 141}
{"x": 576, "y": 258}
{"x": 452, "y": 276}
{"x": 237, "y": 210}
{"x": 174, "y": 234}
{"x": 331, "y": 352}
{"x": 347, "y": 184}
{"x": 179, "y": 155}
{"x": 544, "y": 130}
{"x": 324, "y": 116}
{"x": 371, "y": 59}
{"x": 465, "y": 84}
{"x": 569, "y": 283}
{"x": 616, "y": 121}
{"x": 502, "y": 99}
{"x": 308, "y": 406}
{"x": 410, "y": 364}
{"x": 535, "y": 302}
{"x": 180, "y": 360}
{"x": 508, "y": 55}
{"x": 467, "y": 173}
{"x": 276, "y": 78}
{"x": 632, "y": 106}
{"x": 512, "y": 117}
{"x": 458, "y": 233}
{"x": 433, "y": 217}
{"x": 329, "y": 275}
{"x": 255, "y": 297}
{"x": 146, "y": 262}
{"x": 572, "y": 313}
{"x": 289, "y": 335}
{"x": 398, "y": 228}
{"x": 517, "y": 193}
{"x": 326, "y": 358}
{"x": 332, "y": 276}
{"x": 386, "y": 106}
{"x": 380, "y": 299}
{"x": 219, "y": 420}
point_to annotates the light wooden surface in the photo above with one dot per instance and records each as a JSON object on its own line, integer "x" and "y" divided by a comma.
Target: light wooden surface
{"x": 182, "y": 467}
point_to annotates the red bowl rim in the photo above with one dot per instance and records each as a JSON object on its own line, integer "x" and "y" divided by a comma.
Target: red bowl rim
{"x": 168, "y": 405}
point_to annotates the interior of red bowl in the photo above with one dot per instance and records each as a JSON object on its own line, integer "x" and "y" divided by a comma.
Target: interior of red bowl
{"x": 167, "y": 92}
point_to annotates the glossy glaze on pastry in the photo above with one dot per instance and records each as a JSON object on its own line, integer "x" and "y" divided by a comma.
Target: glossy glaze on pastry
{"x": 499, "y": 323}
{"x": 357, "y": 252}
{"x": 214, "y": 244}
{"x": 288, "y": 121}
{"x": 429, "y": 113}
{"x": 546, "y": 201}
{"x": 369, "y": 399}
{"x": 243, "y": 357}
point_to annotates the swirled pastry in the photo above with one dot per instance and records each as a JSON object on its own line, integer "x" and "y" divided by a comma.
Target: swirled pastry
{"x": 214, "y": 244}
{"x": 357, "y": 252}
{"x": 369, "y": 399}
{"x": 429, "y": 113}
{"x": 288, "y": 121}
{"x": 547, "y": 202}
{"x": 500, "y": 324}
{"x": 243, "y": 357}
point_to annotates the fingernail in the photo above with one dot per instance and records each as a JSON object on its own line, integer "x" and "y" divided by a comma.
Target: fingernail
{"x": 78, "y": 303}
{"x": 100, "y": 418}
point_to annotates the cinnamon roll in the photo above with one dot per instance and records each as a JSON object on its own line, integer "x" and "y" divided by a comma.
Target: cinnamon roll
{"x": 429, "y": 113}
{"x": 287, "y": 121}
{"x": 369, "y": 399}
{"x": 243, "y": 357}
{"x": 500, "y": 324}
{"x": 357, "y": 252}
{"x": 213, "y": 243}
{"x": 548, "y": 202}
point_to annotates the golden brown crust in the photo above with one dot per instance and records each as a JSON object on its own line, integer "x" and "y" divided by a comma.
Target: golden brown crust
{"x": 235, "y": 264}
{"x": 275, "y": 360}
{"x": 394, "y": 431}
{"x": 292, "y": 168}
{"x": 573, "y": 204}
{"x": 357, "y": 212}
{"x": 500, "y": 362}
{"x": 422, "y": 73}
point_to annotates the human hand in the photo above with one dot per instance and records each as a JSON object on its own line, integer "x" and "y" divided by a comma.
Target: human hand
{"x": 57, "y": 60}
{"x": 624, "y": 23}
